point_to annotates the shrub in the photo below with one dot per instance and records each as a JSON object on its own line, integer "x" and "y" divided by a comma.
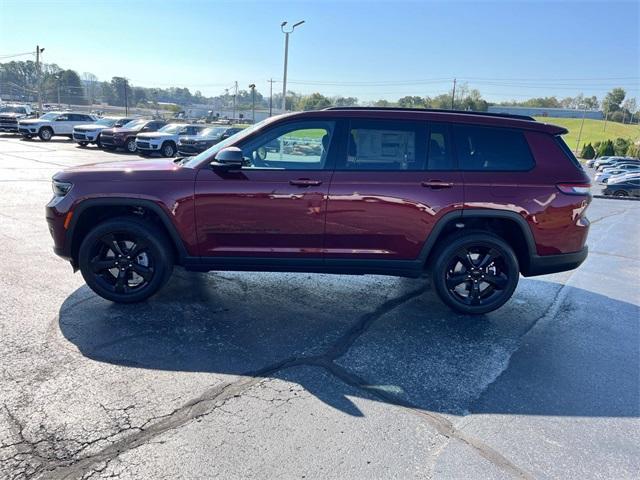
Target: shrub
{"x": 620, "y": 146}
{"x": 634, "y": 150}
{"x": 606, "y": 148}
{"x": 587, "y": 152}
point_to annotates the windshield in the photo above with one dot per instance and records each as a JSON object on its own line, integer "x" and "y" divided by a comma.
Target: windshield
{"x": 171, "y": 128}
{"x": 212, "y": 132}
{"x": 133, "y": 124}
{"x": 211, "y": 151}
{"x": 49, "y": 116}
{"x": 107, "y": 122}
{"x": 9, "y": 108}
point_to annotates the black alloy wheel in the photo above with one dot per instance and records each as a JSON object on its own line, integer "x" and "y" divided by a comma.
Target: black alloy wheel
{"x": 125, "y": 260}
{"x": 475, "y": 272}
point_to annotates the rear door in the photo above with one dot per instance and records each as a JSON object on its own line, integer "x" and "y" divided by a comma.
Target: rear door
{"x": 393, "y": 181}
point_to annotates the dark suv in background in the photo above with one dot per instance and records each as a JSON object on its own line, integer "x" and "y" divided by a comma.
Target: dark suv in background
{"x": 125, "y": 136}
{"x": 474, "y": 199}
{"x": 194, "y": 144}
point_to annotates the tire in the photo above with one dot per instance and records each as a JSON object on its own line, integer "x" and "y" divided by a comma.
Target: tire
{"x": 621, "y": 193}
{"x": 108, "y": 147}
{"x": 45, "y": 134}
{"x": 130, "y": 145}
{"x": 168, "y": 149}
{"x": 462, "y": 281}
{"x": 83, "y": 144}
{"x": 110, "y": 243}
{"x": 27, "y": 137}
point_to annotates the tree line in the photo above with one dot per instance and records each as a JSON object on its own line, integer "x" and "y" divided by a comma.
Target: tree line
{"x": 19, "y": 79}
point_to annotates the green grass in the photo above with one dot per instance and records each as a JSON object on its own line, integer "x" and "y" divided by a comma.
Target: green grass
{"x": 593, "y": 130}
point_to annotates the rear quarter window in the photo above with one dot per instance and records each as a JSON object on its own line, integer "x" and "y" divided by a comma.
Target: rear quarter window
{"x": 567, "y": 152}
{"x": 492, "y": 149}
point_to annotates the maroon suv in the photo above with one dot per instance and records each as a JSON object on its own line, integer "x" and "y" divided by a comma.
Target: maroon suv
{"x": 125, "y": 136}
{"x": 473, "y": 198}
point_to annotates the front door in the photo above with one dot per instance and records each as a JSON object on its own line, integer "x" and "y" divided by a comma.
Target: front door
{"x": 393, "y": 181}
{"x": 275, "y": 205}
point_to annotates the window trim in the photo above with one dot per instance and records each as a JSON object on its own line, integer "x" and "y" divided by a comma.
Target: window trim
{"x": 330, "y": 160}
{"x": 458, "y": 161}
{"x": 420, "y": 128}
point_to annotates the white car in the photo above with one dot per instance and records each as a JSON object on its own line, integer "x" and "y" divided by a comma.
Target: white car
{"x": 53, "y": 124}
{"x": 10, "y": 115}
{"x": 603, "y": 176}
{"x": 90, "y": 132}
{"x": 165, "y": 140}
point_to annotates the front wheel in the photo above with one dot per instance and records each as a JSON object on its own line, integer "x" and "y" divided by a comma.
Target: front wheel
{"x": 125, "y": 260}
{"x": 83, "y": 144}
{"x": 45, "y": 134}
{"x": 130, "y": 146}
{"x": 475, "y": 272}
{"x": 621, "y": 193}
{"x": 168, "y": 149}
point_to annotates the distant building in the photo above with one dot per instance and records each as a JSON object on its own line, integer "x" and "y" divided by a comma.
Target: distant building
{"x": 547, "y": 112}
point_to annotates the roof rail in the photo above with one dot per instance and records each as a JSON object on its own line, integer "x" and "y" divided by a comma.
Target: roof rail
{"x": 438, "y": 110}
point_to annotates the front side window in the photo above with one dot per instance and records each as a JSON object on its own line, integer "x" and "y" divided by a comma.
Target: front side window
{"x": 134, "y": 124}
{"x": 295, "y": 146}
{"x": 491, "y": 149}
{"x": 384, "y": 145}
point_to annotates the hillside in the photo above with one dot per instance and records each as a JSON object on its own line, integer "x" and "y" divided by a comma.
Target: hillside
{"x": 593, "y": 130}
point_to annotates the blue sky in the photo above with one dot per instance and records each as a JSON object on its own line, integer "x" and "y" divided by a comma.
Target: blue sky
{"x": 367, "y": 49}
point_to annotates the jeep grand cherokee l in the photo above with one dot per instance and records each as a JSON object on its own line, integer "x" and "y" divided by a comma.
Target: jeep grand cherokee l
{"x": 473, "y": 199}
{"x": 194, "y": 144}
{"x": 166, "y": 139}
{"x": 53, "y": 124}
{"x": 125, "y": 136}
{"x": 88, "y": 133}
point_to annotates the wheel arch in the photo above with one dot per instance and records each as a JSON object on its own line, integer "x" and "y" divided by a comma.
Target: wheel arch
{"x": 510, "y": 226}
{"x": 91, "y": 212}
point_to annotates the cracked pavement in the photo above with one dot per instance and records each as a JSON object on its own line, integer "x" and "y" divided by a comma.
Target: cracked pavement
{"x": 264, "y": 375}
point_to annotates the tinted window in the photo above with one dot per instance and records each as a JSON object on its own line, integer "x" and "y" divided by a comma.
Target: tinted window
{"x": 295, "y": 146}
{"x": 384, "y": 145}
{"x": 491, "y": 149}
{"x": 439, "y": 148}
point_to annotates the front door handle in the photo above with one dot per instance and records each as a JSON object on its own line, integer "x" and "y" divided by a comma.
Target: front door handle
{"x": 437, "y": 184}
{"x": 305, "y": 182}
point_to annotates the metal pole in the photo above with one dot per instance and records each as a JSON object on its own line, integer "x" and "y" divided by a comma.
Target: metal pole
{"x": 126, "y": 99}
{"x": 270, "y": 95}
{"x": 235, "y": 93}
{"x": 584, "y": 113}
{"x": 253, "y": 102}
{"x": 39, "y": 79}
{"x": 284, "y": 78}
{"x": 453, "y": 94}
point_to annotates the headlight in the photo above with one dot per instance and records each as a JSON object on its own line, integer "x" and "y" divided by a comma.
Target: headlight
{"x": 60, "y": 189}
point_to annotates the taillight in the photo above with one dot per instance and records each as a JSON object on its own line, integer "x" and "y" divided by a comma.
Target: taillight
{"x": 574, "y": 188}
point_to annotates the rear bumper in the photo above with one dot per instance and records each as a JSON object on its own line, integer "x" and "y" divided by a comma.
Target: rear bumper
{"x": 544, "y": 264}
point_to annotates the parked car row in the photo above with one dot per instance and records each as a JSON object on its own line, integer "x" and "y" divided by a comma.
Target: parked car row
{"x": 619, "y": 175}
{"x": 145, "y": 136}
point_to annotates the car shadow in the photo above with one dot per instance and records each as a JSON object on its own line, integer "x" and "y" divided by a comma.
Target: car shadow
{"x": 405, "y": 347}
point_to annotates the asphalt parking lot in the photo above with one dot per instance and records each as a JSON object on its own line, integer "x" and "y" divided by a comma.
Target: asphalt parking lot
{"x": 245, "y": 375}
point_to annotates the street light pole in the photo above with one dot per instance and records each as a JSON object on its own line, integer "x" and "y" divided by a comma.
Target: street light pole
{"x": 286, "y": 59}
{"x": 39, "y": 76}
{"x": 253, "y": 102}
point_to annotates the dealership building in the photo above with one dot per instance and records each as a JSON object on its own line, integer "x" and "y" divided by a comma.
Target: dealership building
{"x": 547, "y": 112}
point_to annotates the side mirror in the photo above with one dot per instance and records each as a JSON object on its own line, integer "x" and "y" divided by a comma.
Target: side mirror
{"x": 229, "y": 158}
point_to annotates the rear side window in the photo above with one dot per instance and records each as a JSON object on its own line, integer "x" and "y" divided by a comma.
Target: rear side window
{"x": 491, "y": 149}
{"x": 384, "y": 145}
{"x": 439, "y": 148}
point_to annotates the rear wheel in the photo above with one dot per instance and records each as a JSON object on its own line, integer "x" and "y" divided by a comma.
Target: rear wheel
{"x": 125, "y": 260}
{"x": 45, "y": 134}
{"x": 475, "y": 272}
{"x": 621, "y": 193}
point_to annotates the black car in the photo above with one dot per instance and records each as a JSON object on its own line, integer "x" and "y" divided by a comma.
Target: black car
{"x": 626, "y": 188}
{"x": 194, "y": 144}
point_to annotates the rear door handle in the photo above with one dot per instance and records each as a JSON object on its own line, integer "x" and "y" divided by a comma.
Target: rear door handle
{"x": 436, "y": 184}
{"x": 305, "y": 182}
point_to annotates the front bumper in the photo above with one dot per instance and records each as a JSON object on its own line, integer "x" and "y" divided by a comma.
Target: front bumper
{"x": 85, "y": 136}
{"x": 148, "y": 146}
{"x": 27, "y": 130}
{"x": 111, "y": 141}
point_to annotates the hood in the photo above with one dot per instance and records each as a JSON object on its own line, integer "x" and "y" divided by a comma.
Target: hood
{"x": 128, "y": 170}
{"x": 35, "y": 120}
{"x": 12, "y": 115}
{"x": 114, "y": 131}
{"x": 198, "y": 138}
{"x": 89, "y": 126}
{"x": 154, "y": 135}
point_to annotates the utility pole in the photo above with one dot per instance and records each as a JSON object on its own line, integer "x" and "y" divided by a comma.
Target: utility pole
{"x": 253, "y": 102}
{"x": 126, "y": 99}
{"x": 453, "y": 94}
{"x": 270, "y": 95}
{"x": 584, "y": 113}
{"x": 235, "y": 94}
{"x": 39, "y": 78}
{"x": 286, "y": 59}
